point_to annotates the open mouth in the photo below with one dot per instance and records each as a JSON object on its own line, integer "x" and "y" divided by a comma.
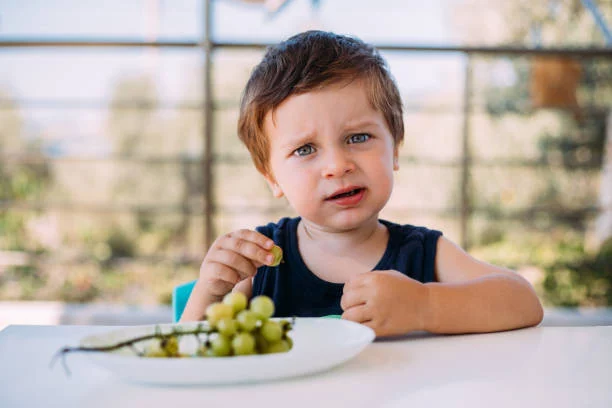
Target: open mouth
{"x": 346, "y": 194}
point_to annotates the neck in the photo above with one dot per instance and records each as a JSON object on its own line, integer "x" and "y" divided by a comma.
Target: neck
{"x": 340, "y": 241}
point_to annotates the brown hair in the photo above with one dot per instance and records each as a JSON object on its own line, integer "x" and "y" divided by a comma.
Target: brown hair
{"x": 310, "y": 61}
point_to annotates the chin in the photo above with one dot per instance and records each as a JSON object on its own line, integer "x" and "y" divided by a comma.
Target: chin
{"x": 347, "y": 222}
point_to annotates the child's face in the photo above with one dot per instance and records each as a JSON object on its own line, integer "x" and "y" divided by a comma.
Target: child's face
{"x": 332, "y": 155}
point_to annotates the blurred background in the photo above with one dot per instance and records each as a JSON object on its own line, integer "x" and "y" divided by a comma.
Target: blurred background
{"x": 120, "y": 164}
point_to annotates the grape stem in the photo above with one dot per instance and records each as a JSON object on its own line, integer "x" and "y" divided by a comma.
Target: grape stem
{"x": 127, "y": 343}
{"x": 130, "y": 343}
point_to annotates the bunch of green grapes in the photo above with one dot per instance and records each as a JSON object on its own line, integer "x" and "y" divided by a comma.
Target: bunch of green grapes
{"x": 242, "y": 331}
{"x": 234, "y": 330}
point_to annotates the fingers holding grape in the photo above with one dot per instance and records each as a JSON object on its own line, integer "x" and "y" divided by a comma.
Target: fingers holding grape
{"x": 251, "y": 245}
{"x": 235, "y": 257}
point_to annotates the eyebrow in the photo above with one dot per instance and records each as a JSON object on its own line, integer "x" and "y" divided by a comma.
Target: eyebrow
{"x": 306, "y": 137}
{"x": 297, "y": 141}
{"x": 359, "y": 124}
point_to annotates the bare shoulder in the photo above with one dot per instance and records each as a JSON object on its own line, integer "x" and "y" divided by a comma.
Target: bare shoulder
{"x": 454, "y": 264}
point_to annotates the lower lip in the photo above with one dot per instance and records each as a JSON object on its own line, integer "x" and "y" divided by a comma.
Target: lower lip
{"x": 350, "y": 200}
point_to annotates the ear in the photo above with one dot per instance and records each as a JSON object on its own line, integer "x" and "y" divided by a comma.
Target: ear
{"x": 274, "y": 187}
{"x": 395, "y": 158}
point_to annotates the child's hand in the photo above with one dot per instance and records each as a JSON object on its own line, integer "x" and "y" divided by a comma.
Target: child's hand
{"x": 387, "y": 301}
{"x": 232, "y": 258}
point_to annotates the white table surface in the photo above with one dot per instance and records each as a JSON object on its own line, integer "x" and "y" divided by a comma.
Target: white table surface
{"x": 536, "y": 367}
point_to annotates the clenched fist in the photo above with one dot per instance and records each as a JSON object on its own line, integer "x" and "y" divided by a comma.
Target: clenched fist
{"x": 389, "y": 302}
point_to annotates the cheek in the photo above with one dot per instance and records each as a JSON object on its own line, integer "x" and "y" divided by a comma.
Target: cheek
{"x": 383, "y": 175}
{"x": 290, "y": 179}
{"x": 383, "y": 167}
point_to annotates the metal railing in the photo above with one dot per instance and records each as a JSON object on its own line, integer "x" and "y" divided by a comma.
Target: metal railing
{"x": 208, "y": 159}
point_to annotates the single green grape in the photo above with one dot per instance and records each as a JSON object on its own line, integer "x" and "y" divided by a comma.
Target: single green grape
{"x": 263, "y": 306}
{"x": 203, "y": 351}
{"x": 218, "y": 311}
{"x": 247, "y": 320}
{"x": 237, "y": 300}
{"x": 261, "y": 344}
{"x": 155, "y": 354}
{"x": 278, "y": 255}
{"x": 221, "y": 345}
{"x": 286, "y": 325}
{"x": 272, "y": 331}
{"x": 170, "y": 346}
{"x": 152, "y": 346}
{"x": 227, "y": 327}
{"x": 281, "y": 346}
{"x": 154, "y": 349}
{"x": 243, "y": 344}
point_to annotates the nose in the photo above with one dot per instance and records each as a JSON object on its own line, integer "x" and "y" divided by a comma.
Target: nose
{"x": 337, "y": 163}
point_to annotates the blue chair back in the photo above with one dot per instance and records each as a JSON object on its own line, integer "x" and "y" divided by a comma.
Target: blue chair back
{"x": 180, "y": 295}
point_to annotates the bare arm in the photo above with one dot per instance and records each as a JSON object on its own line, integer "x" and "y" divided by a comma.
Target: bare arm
{"x": 200, "y": 300}
{"x": 197, "y": 303}
{"x": 473, "y": 296}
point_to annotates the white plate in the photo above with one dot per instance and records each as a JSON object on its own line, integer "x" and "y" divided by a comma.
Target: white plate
{"x": 318, "y": 344}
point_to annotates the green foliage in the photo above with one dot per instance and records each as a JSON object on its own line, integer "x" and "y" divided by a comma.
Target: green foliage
{"x": 505, "y": 99}
{"x": 580, "y": 147}
{"x": 569, "y": 276}
{"x": 12, "y": 235}
{"x": 587, "y": 282}
{"x": 120, "y": 244}
{"x": 78, "y": 291}
{"x": 29, "y": 281}
{"x": 18, "y": 184}
{"x": 549, "y": 236}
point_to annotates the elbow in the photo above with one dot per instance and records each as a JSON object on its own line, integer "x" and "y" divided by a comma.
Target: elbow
{"x": 538, "y": 314}
{"x": 537, "y": 310}
{"x": 528, "y": 314}
{"x": 527, "y": 305}
{"x": 533, "y": 311}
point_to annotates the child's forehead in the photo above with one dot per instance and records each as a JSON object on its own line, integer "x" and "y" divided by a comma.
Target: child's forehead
{"x": 333, "y": 110}
{"x": 347, "y": 103}
{"x": 350, "y": 97}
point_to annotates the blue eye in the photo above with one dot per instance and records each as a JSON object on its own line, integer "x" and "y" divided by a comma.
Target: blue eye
{"x": 304, "y": 150}
{"x": 359, "y": 138}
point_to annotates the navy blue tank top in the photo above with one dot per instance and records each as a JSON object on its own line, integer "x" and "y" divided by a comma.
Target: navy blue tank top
{"x": 296, "y": 291}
